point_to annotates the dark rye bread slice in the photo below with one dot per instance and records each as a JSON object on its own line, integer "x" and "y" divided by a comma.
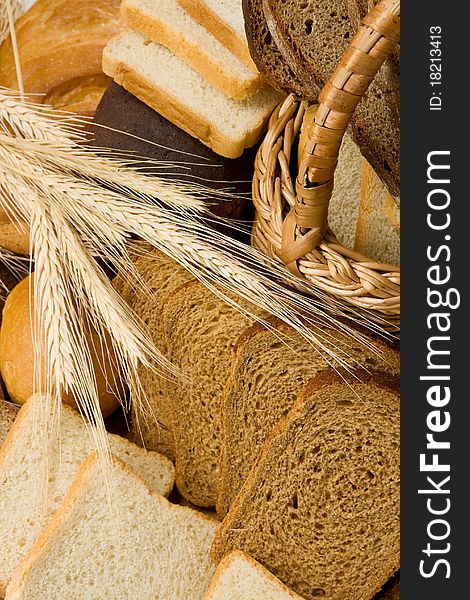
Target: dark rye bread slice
{"x": 321, "y": 508}
{"x": 266, "y": 55}
{"x": 160, "y": 275}
{"x": 312, "y": 36}
{"x": 357, "y": 10}
{"x": 201, "y": 331}
{"x": 154, "y": 137}
{"x": 264, "y": 382}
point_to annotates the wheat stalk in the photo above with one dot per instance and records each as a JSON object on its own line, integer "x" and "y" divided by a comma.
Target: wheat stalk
{"x": 80, "y": 204}
{"x": 17, "y": 9}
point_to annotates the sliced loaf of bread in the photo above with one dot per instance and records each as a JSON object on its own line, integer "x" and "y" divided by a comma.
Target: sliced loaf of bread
{"x": 140, "y": 547}
{"x": 264, "y": 382}
{"x": 159, "y": 275}
{"x": 24, "y": 510}
{"x": 240, "y": 577}
{"x": 224, "y": 19}
{"x": 201, "y": 331}
{"x": 179, "y": 93}
{"x": 169, "y": 24}
{"x": 321, "y": 508}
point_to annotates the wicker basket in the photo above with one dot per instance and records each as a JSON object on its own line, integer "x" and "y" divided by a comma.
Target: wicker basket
{"x": 292, "y": 222}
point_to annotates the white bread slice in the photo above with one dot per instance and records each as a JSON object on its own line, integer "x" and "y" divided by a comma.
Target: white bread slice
{"x": 167, "y": 23}
{"x": 224, "y": 19}
{"x": 378, "y": 223}
{"x": 23, "y": 510}
{"x": 175, "y": 90}
{"x": 240, "y": 577}
{"x": 143, "y": 548}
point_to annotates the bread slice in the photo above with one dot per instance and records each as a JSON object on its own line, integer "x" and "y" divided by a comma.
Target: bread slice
{"x": 312, "y": 38}
{"x": 160, "y": 276}
{"x": 267, "y": 56}
{"x": 175, "y": 90}
{"x": 240, "y": 577}
{"x": 224, "y": 19}
{"x": 378, "y": 223}
{"x": 8, "y": 414}
{"x": 266, "y": 377}
{"x": 321, "y": 508}
{"x": 23, "y": 508}
{"x": 201, "y": 330}
{"x": 391, "y": 590}
{"x": 169, "y": 24}
{"x": 141, "y": 547}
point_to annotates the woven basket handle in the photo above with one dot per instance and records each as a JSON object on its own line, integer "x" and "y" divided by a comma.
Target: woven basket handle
{"x": 306, "y": 224}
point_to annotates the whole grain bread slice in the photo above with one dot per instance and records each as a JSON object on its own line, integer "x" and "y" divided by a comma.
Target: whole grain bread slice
{"x": 137, "y": 546}
{"x": 201, "y": 330}
{"x": 321, "y": 508}
{"x": 266, "y": 377}
{"x": 25, "y": 505}
{"x": 159, "y": 276}
{"x": 240, "y": 577}
{"x": 267, "y": 56}
{"x": 312, "y": 37}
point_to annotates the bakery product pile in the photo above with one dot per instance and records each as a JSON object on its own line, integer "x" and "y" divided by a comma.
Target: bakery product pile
{"x": 266, "y": 470}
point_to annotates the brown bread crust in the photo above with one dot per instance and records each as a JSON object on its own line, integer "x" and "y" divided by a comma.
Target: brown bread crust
{"x": 312, "y": 37}
{"x": 320, "y": 508}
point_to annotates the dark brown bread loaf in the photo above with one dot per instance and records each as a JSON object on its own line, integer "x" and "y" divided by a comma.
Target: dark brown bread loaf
{"x": 264, "y": 382}
{"x": 321, "y": 508}
{"x": 266, "y": 55}
{"x": 152, "y": 136}
{"x": 310, "y": 37}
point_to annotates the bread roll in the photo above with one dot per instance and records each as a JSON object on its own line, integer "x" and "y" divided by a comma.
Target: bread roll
{"x": 17, "y": 354}
{"x": 12, "y": 237}
{"x": 60, "y": 41}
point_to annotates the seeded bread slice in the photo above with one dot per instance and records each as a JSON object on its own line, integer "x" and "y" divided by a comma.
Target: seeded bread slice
{"x": 140, "y": 547}
{"x": 201, "y": 331}
{"x": 179, "y": 93}
{"x": 240, "y": 577}
{"x": 160, "y": 276}
{"x": 266, "y": 377}
{"x": 267, "y": 56}
{"x": 321, "y": 508}
{"x": 23, "y": 508}
{"x": 169, "y": 24}
{"x": 312, "y": 36}
{"x": 224, "y": 19}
